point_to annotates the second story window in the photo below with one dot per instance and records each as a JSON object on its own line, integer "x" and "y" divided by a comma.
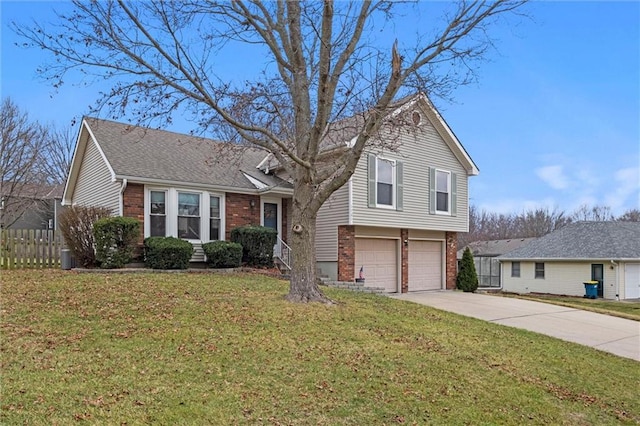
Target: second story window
{"x": 443, "y": 192}
{"x": 384, "y": 182}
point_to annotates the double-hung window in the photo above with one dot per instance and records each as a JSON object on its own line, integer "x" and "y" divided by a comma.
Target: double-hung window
{"x": 158, "y": 214}
{"x": 443, "y": 191}
{"x": 214, "y": 218}
{"x": 189, "y": 215}
{"x": 539, "y": 272}
{"x": 515, "y": 269}
{"x": 384, "y": 182}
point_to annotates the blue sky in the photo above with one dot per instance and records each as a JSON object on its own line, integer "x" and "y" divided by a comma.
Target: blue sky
{"x": 553, "y": 122}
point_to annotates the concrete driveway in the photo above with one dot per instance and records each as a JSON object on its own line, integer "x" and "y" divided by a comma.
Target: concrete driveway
{"x": 611, "y": 334}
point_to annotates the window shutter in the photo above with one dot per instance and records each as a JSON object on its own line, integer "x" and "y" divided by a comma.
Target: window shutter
{"x": 399, "y": 185}
{"x": 432, "y": 190}
{"x": 372, "y": 180}
{"x": 454, "y": 194}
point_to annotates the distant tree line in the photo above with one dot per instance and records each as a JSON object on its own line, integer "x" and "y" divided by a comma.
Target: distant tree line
{"x": 485, "y": 226}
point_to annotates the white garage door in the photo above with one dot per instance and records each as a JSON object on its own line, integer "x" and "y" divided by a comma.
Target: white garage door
{"x": 632, "y": 281}
{"x": 379, "y": 260}
{"x": 425, "y": 265}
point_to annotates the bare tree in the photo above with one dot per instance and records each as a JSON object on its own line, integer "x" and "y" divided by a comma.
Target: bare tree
{"x": 539, "y": 222}
{"x": 594, "y": 213}
{"x": 57, "y": 154}
{"x": 322, "y": 64}
{"x": 22, "y": 142}
{"x": 631, "y": 215}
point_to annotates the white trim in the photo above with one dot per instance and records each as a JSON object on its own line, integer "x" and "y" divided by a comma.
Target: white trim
{"x": 278, "y": 202}
{"x": 350, "y": 205}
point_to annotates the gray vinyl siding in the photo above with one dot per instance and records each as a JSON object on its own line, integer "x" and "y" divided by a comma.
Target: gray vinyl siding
{"x": 94, "y": 184}
{"x": 419, "y": 152}
{"x": 334, "y": 212}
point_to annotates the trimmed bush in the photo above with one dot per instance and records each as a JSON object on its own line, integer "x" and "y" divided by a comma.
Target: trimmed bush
{"x": 223, "y": 254}
{"x": 257, "y": 244}
{"x": 76, "y": 225}
{"x": 115, "y": 239}
{"x": 467, "y": 279}
{"x": 167, "y": 253}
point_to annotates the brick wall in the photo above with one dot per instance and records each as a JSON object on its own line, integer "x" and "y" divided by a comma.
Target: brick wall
{"x": 133, "y": 206}
{"x": 451, "y": 261}
{"x": 404, "y": 236}
{"x": 239, "y": 212}
{"x": 346, "y": 252}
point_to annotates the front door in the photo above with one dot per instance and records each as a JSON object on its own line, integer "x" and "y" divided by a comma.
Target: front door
{"x": 597, "y": 274}
{"x": 271, "y": 218}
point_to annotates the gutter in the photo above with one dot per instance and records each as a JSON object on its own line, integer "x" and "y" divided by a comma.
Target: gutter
{"x": 122, "y": 189}
{"x": 616, "y": 265}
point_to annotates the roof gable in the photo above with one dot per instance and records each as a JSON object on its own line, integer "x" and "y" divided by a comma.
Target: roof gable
{"x": 584, "y": 241}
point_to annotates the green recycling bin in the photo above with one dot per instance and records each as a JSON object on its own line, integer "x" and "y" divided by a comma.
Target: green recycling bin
{"x": 591, "y": 289}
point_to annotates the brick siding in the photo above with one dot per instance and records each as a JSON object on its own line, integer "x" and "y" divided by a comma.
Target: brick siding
{"x": 239, "y": 212}
{"x": 133, "y": 206}
{"x": 451, "y": 260}
{"x": 346, "y": 252}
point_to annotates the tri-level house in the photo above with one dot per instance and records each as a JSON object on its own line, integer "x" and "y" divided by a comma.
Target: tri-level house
{"x": 395, "y": 223}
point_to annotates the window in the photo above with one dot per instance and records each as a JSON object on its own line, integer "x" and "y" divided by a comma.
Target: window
{"x": 384, "y": 182}
{"x": 442, "y": 191}
{"x": 158, "y": 214}
{"x": 539, "y": 270}
{"x": 214, "y": 218}
{"x": 515, "y": 269}
{"x": 188, "y": 215}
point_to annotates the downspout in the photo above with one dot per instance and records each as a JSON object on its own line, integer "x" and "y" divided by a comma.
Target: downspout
{"x": 122, "y": 189}
{"x": 615, "y": 265}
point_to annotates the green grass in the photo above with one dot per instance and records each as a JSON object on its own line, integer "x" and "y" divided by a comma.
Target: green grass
{"x": 227, "y": 349}
{"x": 623, "y": 309}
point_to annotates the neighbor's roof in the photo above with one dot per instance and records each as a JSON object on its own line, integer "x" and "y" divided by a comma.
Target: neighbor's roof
{"x": 584, "y": 241}
{"x": 138, "y": 153}
{"x": 494, "y": 247}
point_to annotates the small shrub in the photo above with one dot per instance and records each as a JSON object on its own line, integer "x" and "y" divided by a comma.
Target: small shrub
{"x": 167, "y": 253}
{"x": 223, "y": 254}
{"x": 76, "y": 225}
{"x": 115, "y": 239}
{"x": 467, "y": 279}
{"x": 257, "y": 244}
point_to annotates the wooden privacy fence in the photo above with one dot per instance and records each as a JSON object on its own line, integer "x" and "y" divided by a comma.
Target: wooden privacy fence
{"x": 30, "y": 248}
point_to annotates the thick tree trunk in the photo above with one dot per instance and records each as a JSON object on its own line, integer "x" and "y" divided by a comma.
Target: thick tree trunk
{"x": 304, "y": 285}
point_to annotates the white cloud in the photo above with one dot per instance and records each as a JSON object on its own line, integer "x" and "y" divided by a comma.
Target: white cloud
{"x": 553, "y": 176}
{"x": 626, "y": 185}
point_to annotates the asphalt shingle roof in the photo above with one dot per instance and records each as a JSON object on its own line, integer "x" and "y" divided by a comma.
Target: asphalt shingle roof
{"x": 138, "y": 152}
{"x": 584, "y": 240}
{"x": 494, "y": 247}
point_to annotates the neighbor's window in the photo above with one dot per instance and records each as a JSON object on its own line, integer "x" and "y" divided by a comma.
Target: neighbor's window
{"x": 158, "y": 214}
{"x": 443, "y": 191}
{"x": 214, "y": 218}
{"x": 189, "y": 215}
{"x": 515, "y": 269}
{"x": 539, "y": 270}
{"x": 384, "y": 181}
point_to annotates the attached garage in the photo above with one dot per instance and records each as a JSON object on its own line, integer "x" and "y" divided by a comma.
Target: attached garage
{"x": 379, "y": 259}
{"x": 425, "y": 265}
{"x": 632, "y": 281}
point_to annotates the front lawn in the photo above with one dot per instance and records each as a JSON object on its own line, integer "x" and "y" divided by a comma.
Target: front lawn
{"x": 227, "y": 349}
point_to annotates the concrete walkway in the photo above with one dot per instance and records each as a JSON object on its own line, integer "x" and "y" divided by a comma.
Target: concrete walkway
{"x": 611, "y": 334}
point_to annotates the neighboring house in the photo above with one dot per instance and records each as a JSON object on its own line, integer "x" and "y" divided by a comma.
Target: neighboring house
{"x": 397, "y": 218}
{"x": 560, "y": 262}
{"x": 485, "y": 258}
{"x": 37, "y": 207}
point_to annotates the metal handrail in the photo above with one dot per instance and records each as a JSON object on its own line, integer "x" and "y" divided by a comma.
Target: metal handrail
{"x": 283, "y": 252}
